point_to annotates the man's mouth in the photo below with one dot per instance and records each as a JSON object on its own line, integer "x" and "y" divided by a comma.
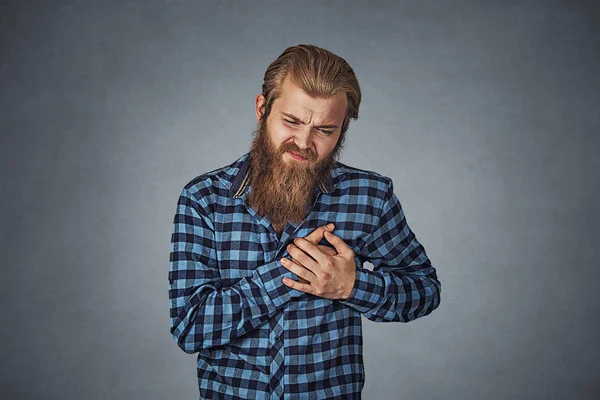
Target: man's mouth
{"x": 296, "y": 156}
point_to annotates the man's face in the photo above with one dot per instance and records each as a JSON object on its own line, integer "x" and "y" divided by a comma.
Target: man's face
{"x": 304, "y": 129}
{"x": 293, "y": 151}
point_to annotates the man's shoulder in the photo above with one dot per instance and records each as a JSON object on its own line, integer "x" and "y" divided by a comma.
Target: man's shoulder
{"x": 349, "y": 176}
{"x": 215, "y": 182}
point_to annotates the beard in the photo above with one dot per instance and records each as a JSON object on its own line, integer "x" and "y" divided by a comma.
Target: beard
{"x": 283, "y": 191}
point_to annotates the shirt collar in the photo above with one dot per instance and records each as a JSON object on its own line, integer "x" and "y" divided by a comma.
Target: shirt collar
{"x": 241, "y": 180}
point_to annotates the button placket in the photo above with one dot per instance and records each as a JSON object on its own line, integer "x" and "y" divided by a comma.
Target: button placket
{"x": 277, "y": 364}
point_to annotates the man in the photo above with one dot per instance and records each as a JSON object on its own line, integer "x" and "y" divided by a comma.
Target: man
{"x": 266, "y": 276}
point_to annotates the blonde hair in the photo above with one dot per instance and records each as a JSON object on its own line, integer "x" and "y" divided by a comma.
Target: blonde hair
{"x": 318, "y": 72}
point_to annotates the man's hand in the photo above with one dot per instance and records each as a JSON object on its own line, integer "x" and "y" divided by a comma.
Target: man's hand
{"x": 324, "y": 274}
{"x": 315, "y": 237}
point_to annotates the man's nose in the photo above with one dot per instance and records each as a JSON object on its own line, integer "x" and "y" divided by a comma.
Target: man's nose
{"x": 303, "y": 137}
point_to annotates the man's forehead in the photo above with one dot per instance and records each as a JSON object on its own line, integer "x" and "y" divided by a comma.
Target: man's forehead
{"x": 295, "y": 101}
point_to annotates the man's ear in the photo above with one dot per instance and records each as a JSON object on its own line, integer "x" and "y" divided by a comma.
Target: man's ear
{"x": 260, "y": 106}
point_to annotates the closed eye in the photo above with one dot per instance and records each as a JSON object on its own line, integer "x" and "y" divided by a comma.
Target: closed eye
{"x": 325, "y": 131}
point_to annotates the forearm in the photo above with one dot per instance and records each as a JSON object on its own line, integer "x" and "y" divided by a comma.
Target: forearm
{"x": 209, "y": 315}
{"x": 387, "y": 294}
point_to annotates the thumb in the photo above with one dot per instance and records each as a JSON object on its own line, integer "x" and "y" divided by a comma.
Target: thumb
{"x": 317, "y": 235}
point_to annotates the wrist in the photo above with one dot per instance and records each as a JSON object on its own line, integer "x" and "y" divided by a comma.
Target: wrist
{"x": 348, "y": 291}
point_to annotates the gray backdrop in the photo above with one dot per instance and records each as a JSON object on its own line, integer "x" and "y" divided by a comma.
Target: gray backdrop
{"x": 485, "y": 115}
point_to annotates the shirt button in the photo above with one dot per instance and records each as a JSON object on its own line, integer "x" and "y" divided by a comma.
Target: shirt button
{"x": 278, "y": 339}
{"x": 274, "y": 382}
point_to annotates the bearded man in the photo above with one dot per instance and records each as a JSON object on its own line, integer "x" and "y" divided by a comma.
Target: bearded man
{"x": 266, "y": 278}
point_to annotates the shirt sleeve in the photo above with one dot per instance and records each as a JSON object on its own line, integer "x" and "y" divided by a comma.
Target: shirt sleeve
{"x": 203, "y": 313}
{"x": 403, "y": 285}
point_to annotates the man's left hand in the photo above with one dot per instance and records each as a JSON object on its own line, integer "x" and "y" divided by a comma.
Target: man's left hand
{"x": 328, "y": 276}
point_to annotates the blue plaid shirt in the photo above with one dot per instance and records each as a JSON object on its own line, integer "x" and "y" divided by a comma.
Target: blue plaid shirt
{"x": 257, "y": 338}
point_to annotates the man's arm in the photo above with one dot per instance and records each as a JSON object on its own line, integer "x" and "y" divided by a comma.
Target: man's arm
{"x": 403, "y": 285}
{"x": 203, "y": 313}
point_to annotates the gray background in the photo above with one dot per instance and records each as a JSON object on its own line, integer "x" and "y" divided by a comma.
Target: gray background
{"x": 485, "y": 114}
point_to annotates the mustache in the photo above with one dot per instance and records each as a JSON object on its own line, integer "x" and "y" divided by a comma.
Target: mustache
{"x": 295, "y": 149}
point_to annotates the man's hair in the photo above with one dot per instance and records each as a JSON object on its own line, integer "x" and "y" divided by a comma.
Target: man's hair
{"x": 318, "y": 72}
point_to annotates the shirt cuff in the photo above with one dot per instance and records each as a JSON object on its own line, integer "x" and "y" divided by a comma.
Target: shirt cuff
{"x": 367, "y": 291}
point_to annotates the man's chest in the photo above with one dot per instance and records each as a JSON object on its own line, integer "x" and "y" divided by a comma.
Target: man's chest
{"x": 244, "y": 240}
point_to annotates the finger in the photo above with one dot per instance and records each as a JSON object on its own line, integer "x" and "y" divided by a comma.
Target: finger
{"x": 303, "y": 287}
{"x": 317, "y": 235}
{"x": 310, "y": 249}
{"x": 299, "y": 270}
{"x": 303, "y": 259}
{"x": 327, "y": 250}
{"x": 299, "y": 278}
{"x": 296, "y": 262}
{"x": 338, "y": 243}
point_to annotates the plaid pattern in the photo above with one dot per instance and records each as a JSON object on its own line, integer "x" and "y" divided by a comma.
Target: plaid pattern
{"x": 256, "y": 338}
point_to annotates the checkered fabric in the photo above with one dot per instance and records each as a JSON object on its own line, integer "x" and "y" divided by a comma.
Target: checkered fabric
{"x": 256, "y": 338}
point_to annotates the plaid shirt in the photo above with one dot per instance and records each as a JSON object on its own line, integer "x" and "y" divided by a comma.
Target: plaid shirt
{"x": 257, "y": 338}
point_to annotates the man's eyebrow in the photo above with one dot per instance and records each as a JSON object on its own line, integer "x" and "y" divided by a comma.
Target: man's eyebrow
{"x": 296, "y": 119}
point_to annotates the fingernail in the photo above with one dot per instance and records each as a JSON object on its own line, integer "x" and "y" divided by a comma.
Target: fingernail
{"x": 330, "y": 226}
